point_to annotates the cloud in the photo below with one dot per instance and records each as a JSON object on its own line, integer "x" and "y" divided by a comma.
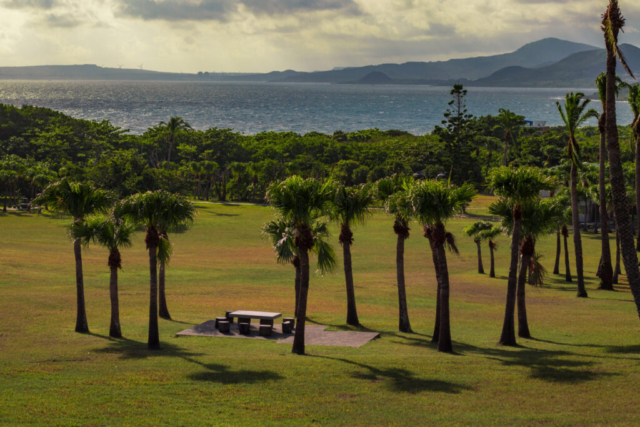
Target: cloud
{"x": 29, "y": 4}
{"x": 281, "y": 7}
{"x": 54, "y": 20}
{"x": 177, "y": 10}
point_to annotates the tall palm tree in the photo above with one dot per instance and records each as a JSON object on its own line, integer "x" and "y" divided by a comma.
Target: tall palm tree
{"x": 475, "y": 230}
{"x": 112, "y": 233}
{"x": 392, "y": 191}
{"x": 78, "y": 200}
{"x": 300, "y": 201}
{"x": 563, "y": 199}
{"x": 490, "y": 236}
{"x": 634, "y": 103}
{"x": 519, "y": 186}
{"x": 509, "y": 122}
{"x": 539, "y": 217}
{"x": 177, "y": 213}
{"x": 281, "y": 233}
{"x": 435, "y": 202}
{"x": 606, "y": 271}
{"x": 574, "y": 115}
{"x": 151, "y": 209}
{"x": 350, "y": 206}
{"x": 172, "y": 128}
{"x": 612, "y": 24}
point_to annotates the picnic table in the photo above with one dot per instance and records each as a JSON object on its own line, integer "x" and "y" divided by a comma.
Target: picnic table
{"x": 265, "y": 317}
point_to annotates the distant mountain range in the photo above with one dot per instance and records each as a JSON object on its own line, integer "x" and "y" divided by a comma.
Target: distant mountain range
{"x": 549, "y": 62}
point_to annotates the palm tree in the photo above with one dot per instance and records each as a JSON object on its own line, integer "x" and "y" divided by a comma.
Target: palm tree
{"x": 519, "y": 186}
{"x": 350, "y": 205}
{"x": 539, "y": 217}
{"x": 392, "y": 192}
{"x": 112, "y": 233}
{"x": 172, "y": 127}
{"x": 153, "y": 210}
{"x": 563, "y": 199}
{"x": 490, "y": 236}
{"x": 612, "y": 24}
{"x": 300, "y": 201}
{"x": 177, "y": 213}
{"x": 282, "y": 236}
{"x": 78, "y": 200}
{"x": 574, "y": 116}
{"x": 475, "y": 230}
{"x": 435, "y": 202}
{"x": 606, "y": 271}
{"x": 634, "y": 103}
{"x": 509, "y": 122}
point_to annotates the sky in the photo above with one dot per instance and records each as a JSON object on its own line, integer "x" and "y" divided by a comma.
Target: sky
{"x": 305, "y": 35}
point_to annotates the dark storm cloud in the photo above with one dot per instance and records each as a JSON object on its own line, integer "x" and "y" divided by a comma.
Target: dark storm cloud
{"x": 218, "y": 10}
{"x": 177, "y": 10}
{"x": 32, "y": 4}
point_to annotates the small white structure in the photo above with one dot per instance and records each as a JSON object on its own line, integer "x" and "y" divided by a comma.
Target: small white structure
{"x": 535, "y": 124}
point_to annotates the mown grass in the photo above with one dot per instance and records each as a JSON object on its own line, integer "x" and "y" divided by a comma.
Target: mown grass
{"x": 581, "y": 368}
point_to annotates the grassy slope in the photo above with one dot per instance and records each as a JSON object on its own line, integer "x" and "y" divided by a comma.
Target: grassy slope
{"x": 582, "y": 368}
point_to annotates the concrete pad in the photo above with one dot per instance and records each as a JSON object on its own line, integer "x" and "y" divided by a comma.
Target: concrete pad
{"x": 314, "y": 335}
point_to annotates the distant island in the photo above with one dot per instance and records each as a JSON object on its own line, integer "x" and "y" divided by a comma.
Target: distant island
{"x": 545, "y": 63}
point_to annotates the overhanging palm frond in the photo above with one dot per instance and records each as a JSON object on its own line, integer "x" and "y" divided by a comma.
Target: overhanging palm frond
{"x": 538, "y": 272}
{"x": 612, "y": 23}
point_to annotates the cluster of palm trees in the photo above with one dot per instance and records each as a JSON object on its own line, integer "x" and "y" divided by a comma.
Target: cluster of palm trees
{"x": 100, "y": 218}
{"x": 304, "y": 206}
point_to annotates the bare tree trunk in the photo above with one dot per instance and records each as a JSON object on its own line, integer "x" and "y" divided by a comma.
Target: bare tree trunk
{"x": 492, "y": 273}
{"x": 567, "y": 265}
{"x": 621, "y": 208}
{"x": 114, "y": 328}
{"x": 296, "y": 263}
{"x": 577, "y": 240}
{"x": 556, "y": 267}
{"x": 606, "y": 272}
{"x": 81, "y": 319}
{"x": 164, "y": 310}
{"x": 480, "y": 266}
{"x": 523, "y": 325}
{"x": 444, "y": 334}
{"x": 508, "y": 336}
{"x": 298, "y": 340}
{"x": 617, "y": 271}
{"x": 403, "y": 322}
{"x": 154, "y": 333}
{"x": 352, "y": 313}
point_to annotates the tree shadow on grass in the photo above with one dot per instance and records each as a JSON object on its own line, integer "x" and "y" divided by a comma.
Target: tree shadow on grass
{"x": 214, "y": 372}
{"x": 400, "y": 380}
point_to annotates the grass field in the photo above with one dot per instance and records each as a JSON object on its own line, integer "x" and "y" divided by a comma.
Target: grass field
{"x": 583, "y": 367}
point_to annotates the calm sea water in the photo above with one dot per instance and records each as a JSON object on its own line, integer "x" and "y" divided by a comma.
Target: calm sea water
{"x": 254, "y": 107}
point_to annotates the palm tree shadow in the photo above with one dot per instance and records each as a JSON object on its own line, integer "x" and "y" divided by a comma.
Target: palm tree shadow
{"x": 214, "y": 372}
{"x": 400, "y": 380}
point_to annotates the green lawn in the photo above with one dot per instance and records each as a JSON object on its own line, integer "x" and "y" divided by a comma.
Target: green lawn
{"x": 583, "y": 367}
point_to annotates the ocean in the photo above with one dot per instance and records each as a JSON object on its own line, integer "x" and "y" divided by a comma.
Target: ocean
{"x": 251, "y": 108}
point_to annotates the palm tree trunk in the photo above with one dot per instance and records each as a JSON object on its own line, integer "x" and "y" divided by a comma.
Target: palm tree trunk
{"x": 577, "y": 240}
{"x": 523, "y": 325}
{"x": 567, "y": 266}
{"x": 492, "y": 273}
{"x": 556, "y": 267}
{"x": 606, "y": 272}
{"x": 81, "y": 319}
{"x": 434, "y": 256}
{"x": 114, "y": 329}
{"x": 164, "y": 310}
{"x": 617, "y": 271}
{"x": 480, "y": 266}
{"x": 296, "y": 263}
{"x": 154, "y": 333}
{"x": 298, "y": 340}
{"x": 352, "y": 313}
{"x": 638, "y": 187}
{"x": 508, "y": 336}
{"x": 444, "y": 333}
{"x": 621, "y": 208}
{"x": 169, "y": 154}
{"x": 506, "y": 149}
{"x": 403, "y": 321}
